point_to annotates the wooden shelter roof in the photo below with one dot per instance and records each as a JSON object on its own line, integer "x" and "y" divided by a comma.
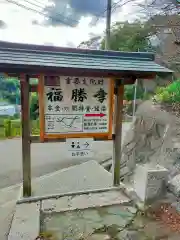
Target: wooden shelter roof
{"x": 35, "y": 59}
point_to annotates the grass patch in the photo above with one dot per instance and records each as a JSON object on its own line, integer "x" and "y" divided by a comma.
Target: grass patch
{"x": 13, "y": 128}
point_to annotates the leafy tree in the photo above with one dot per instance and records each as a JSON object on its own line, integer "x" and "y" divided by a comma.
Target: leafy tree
{"x": 162, "y": 7}
{"x": 125, "y": 36}
{"x": 34, "y": 106}
{"x": 169, "y": 94}
{"x": 10, "y": 90}
{"x": 131, "y": 37}
{"x": 129, "y": 92}
{"x": 93, "y": 42}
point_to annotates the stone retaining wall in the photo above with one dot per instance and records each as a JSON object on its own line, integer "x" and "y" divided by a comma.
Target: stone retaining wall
{"x": 154, "y": 137}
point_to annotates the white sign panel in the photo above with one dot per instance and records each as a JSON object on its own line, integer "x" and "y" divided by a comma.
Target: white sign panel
{"x": 77, "y": 105}
{"x": 79, "y": 147}
{"x": 8, "y": 110}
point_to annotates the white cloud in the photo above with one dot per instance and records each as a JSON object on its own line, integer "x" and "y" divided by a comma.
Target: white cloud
{"x": 20, "y": 27}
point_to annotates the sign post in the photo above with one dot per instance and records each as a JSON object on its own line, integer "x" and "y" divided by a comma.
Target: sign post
{"x": 26, "y": 149}
{"x": 118, "y": 133}
{"x": 76, "y": 107}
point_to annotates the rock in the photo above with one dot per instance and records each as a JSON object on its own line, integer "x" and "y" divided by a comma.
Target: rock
{"x": 99, "y": 236}
{"x": 110, "y": 220}
{"x": 174, "y": 237}
{"x": 132, "y": 210}
{"x": 150, "y": 182}
{"x": 174, "y": 185}
{"x": 176, "y": 205}
{"x": 118, "y": 215}
{"x": 153, "y": 138}
{"x": 128, "y": 235}
{"x": 157, "y": 230}
{"x": 121, "y": 211}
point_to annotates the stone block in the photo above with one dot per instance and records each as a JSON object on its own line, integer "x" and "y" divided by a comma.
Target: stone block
{"x": 83, "y": 201}
{"x": 150, "y": 181}
{"x": 6, "y": 216}
{"x": 128, "y": 235}
{"x": 26, "y": 222}
{"x": 174, "y": 185}
{"x": 99, "y": 236}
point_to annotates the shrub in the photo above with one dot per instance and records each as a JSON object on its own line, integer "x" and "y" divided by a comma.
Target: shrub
{"x": 34, "y": 106}
{"x": 129, "y": 92}
{"x": 7, "y": 127}
{"x": 12, "y": 128}
{"x": 169, "y": 94}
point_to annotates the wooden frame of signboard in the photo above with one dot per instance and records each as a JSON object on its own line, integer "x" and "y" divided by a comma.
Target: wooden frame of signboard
{"x": 27, "y": 139}
{"x": 26, "y": 61}
{"x": 43, "y": 135}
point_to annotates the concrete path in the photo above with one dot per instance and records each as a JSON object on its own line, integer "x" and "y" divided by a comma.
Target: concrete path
{"x": 74, "y": 217}
{"x": 83, "y": 177}
{"x": 86, "y": 176}
{"x": 8, "y": 198}
{"x": 45, "y": 157}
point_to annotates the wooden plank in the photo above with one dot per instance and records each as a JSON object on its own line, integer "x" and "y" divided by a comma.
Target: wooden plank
{"x": 41, "y": 106}
{"x": 129, "y": 81}
{"x": 34, "y": 70}
{"x": 26, "y": 151}
{"x": 11, "y": 74}
{"x": 77, "y": 135}
{"x": 118, "y": 133}
{"x": 111, "y": 109}
{"x": 37, "y": 139}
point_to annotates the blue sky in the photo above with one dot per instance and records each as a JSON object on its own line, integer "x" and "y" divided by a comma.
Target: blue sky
{"x": 19, "y": 27}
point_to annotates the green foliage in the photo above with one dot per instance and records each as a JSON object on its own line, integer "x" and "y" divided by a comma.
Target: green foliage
{"x": 147, "y": 96}
{"x": 34, "y": 105}
{"x": 129, "y": 92}
{"x": 12, "y": 128}
{"x": 33, "y": 81}
{"x": 10, "y": 90}
{"x": 169, "y": 94}
{"x": 125, "y": 36}
{"x": 129, "y": 37}
{"x": 90, "y": 42}
{"x": 7, "y": 127}
{"x": 35, "y": 127}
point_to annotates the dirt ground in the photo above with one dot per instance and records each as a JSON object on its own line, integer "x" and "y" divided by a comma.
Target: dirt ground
{"x": 157, "y": 223}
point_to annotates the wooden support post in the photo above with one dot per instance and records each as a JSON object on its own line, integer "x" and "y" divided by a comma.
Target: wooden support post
{"x": 118, "y": 132}
{"x": 26, "y": 149}
{"x": 41, "y": 106}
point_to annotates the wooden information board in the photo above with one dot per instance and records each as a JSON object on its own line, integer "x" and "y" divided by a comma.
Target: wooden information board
{"x": 75, "y": 107}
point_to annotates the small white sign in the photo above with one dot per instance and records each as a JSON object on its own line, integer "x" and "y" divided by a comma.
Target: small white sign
{"x": 79, "y": 147}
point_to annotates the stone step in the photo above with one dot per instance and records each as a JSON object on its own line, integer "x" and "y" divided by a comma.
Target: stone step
{"x": 6, "y": 216}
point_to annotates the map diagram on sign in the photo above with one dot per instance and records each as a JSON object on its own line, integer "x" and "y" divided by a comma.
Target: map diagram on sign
{"x": 68, "y": 122}
{"x": 77, "y": 105}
